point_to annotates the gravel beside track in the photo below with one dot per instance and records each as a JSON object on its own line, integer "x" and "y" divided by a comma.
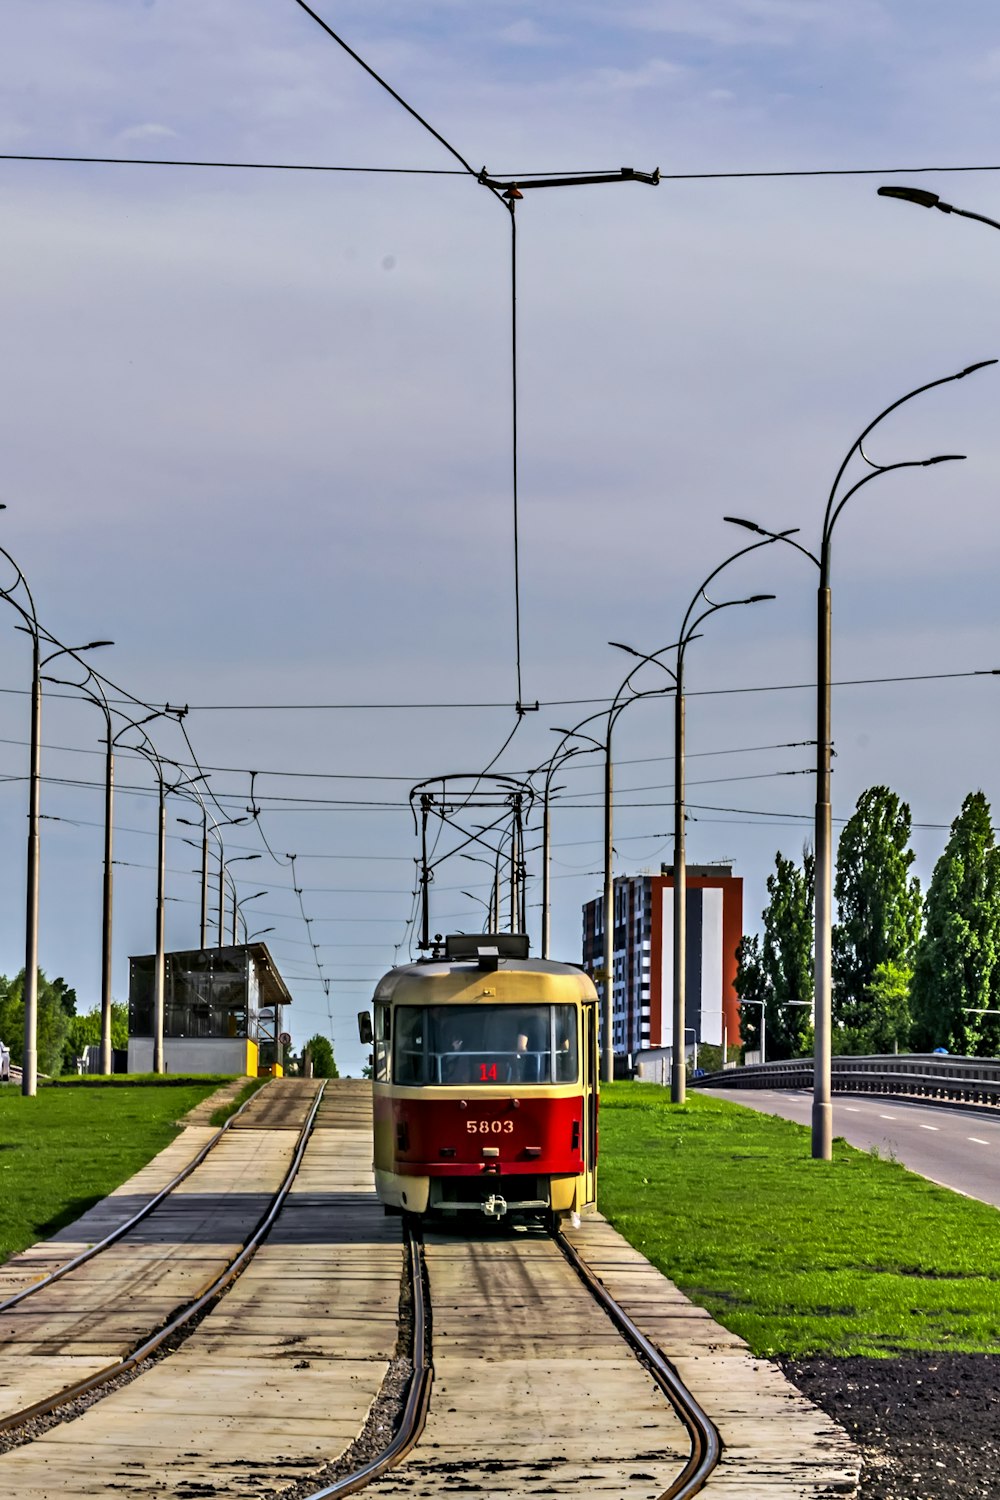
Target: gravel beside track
{"x": 928, "y": 1425}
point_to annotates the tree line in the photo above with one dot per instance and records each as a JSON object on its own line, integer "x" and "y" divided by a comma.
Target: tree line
{"x": 910, "y": 973}
{"x": 63, "y": 1035}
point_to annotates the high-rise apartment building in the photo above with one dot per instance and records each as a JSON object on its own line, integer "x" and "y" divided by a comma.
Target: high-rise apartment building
{"x": 643, "y": 957}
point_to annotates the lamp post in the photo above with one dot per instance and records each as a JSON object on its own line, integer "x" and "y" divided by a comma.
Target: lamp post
{"x": 493, "y": 905}
{"x": 238, "y": 914}
{"x": 822, "y": 1112}
{"x": 479, "y": 899}
{"x": 29, "y": 1061}
{"x": 688, "y": 633}
{"x": 207, "y": 828}
{"x": 692, "y": 1032}
{"x": 763, "y": 1017}
{"x": 223, "y": 872}
{"x": 931, "y": 200}
{"x": 150, "y": 753}
{"x": 92, "y": 689}
{"x": 618, "y": 704}
{"x": 556, "y": 760}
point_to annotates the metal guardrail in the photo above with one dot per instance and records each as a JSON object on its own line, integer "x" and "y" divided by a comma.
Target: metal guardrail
{"x": 971, "y": 1080}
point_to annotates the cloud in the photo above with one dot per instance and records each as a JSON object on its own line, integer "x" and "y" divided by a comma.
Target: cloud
{"x": 768, "y": 23}
{"x": 650, "y": 74}
{"x": 147, "y": 131}
{"x": 527, "y": 33}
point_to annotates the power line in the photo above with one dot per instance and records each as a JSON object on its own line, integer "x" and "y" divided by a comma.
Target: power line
{"x": 285, "y": 166}
{"x": 780, "y": 687}
{"x": 382, "y": 84}
{"x": 636, "y": 760}
{"x": 238, "y": 166}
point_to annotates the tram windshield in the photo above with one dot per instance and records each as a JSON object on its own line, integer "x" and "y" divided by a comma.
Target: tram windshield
{"x": 486, "y": 1044}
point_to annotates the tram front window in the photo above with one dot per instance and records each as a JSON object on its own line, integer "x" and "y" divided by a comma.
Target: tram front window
{"x": 486, "y": 1044}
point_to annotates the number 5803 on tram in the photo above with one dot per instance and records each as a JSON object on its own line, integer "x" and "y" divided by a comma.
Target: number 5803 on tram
{"x": 484, "y": 1070}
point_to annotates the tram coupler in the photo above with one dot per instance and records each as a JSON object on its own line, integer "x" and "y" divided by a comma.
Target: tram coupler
{"x": 494, "y": 1207}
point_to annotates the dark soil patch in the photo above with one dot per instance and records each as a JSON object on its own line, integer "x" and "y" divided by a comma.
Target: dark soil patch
{"x": 928, "y": 1425}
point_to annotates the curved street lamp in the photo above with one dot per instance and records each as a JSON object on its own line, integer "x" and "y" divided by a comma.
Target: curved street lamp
{"x": 32, "y": 627}
{"x": 92, "y": 688}
{"x": 224, "y": 873}
{"x": 557, "y": 759}
{"x": 150, "y": 753}
{"x": 931, "y": 200}
{"x": 625, "y": 695}
{"x": 493, "y": 905}
{"x": 238, "y": 913}
{"x": 207, "y": 828}
{"x": 688, "y": 633}
{"x": 822, "y": 1112}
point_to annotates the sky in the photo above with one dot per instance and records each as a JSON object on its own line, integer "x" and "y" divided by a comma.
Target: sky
{"x": 257, "y": 431}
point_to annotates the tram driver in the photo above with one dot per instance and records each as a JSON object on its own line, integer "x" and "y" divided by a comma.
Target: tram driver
{"x": 456, "y": 1067}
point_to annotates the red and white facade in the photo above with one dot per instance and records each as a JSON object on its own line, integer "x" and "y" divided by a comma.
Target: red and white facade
{"x": 643, "y": 957}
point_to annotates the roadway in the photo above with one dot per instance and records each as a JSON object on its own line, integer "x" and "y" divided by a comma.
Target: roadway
{"x": 956, "y": 1146}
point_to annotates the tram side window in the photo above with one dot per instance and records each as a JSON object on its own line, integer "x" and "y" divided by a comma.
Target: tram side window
{"x": 410, "y": 1051}
{"x": 382, "y": 1039}
{"x": 567, "y": 1060}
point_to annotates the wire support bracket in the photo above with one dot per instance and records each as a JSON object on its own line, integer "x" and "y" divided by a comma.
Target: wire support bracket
{"x": 515, "y": 188}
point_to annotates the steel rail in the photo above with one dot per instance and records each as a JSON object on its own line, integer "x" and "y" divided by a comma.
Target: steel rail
{"x": 418, "y": 1394}
{"x": 123, "y": 1229}
{"x": 706, "y": 1443}
{"x": 191, "y": 1310}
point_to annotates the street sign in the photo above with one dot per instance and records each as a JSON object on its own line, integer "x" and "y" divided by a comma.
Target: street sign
{"x": 285, "y": 1039}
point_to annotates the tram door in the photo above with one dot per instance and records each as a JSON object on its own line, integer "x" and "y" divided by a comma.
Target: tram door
{"x": 591, "y": 1074}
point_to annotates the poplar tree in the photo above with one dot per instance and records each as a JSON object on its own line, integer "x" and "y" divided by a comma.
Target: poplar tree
{"x": 778, "y": 967}
{"x": 321, "y": 1051}
{"x": 879, "y": 907}
{"x": 955, "y": 978}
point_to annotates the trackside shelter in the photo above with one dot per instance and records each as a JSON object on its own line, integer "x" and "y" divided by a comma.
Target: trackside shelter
{"x": 222, "y": 1010}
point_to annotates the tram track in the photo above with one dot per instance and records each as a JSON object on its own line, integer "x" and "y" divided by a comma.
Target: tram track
{"x": 270, "y": 1380}
{"x": 690, "y": 1472}
{"x": 130, "y": 1223}
{"x": 533, "y": 1365}
{"x": 706, "y": 1443}
{"x": 182, "y": 1317}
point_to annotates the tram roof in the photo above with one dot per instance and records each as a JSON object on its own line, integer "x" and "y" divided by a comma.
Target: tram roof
{"x": 425, "y": 970}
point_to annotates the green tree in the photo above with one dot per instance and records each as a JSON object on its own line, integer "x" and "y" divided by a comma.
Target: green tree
{"x": 85, "y": 1031}
{"x": 753, "y": 987}
{"x": 777, "y": 968}
{"x": 321, "y": 1052}
{"x": 889, "y": 1025}
{"x": 879, "y": 907}
{"x": 955, "y": 972}
{"x": 52, "y": 1021}
{"x": 787, "y": 952}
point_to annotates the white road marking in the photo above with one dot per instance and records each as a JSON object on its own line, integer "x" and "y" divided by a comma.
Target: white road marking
{"x": 928, "y": 1127}
{"x": 850, "y": 1109}
{"x": 978, "y": 1140}
{"x": 887, "y": 1117}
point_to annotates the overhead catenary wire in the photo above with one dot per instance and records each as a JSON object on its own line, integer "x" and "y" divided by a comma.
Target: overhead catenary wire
{"x": 506, "y": 200}
{"x": 635, "y": 760}
{"x": 728, "y": 175}
{"x": 771, "y": 687}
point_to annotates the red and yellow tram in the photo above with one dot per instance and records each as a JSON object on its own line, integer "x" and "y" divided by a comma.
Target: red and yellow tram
{"x": 485, "y": 1082}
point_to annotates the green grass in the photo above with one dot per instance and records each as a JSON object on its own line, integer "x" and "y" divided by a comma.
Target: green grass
{"x": 66, "y": 1148}
{"x": 222, "y": 1114}
{"x": 853, "y": 1256}
{"x": 129, "y": 1080}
